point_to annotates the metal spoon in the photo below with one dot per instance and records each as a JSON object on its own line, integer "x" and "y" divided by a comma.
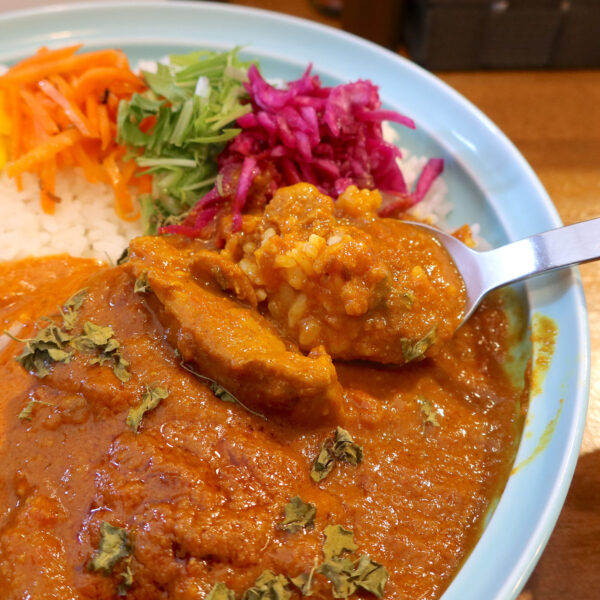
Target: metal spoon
{"x": 483, "y": 272}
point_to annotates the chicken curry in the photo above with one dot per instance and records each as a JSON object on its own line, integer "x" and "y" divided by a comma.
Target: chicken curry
{"x": 281, "y": 411}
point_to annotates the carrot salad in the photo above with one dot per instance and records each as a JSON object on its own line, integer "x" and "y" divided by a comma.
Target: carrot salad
{"x": 58, "y": 108}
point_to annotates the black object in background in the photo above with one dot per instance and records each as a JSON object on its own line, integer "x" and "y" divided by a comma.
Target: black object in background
{"x": 469, "y": 34}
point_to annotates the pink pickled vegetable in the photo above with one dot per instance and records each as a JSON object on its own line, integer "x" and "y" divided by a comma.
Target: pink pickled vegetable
{"x": 328, "y": 136}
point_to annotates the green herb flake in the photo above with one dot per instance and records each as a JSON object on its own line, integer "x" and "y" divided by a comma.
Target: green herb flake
{"x": 337, "y": 541}
{"x": 304, "y": 581}
{"x": 345, "y": 449}
{"x": 115, "y": 544}
{"x": 150, "y": 400}
{"x": 49, "y": 346}
{"x": 370, "y": 576}
{"x": 269, "y": 586}
{"x": 298, "y": 515}
{"x": 141, "y": 285}
{"x": 124, "y": 257}
{"x": 323, "y": 464}
{"x": 221, "y": 393}
{"x": 342, "y": 448}
{"x": 430, "y": 414}
{"x": 70, "y": 309}
{"x": 126, "y": 579}
{"x": 27, "y": 412}
{"x": 220, "y": 591}
{"x": 346, "y": 575}
{"x": 415, "y": 350}
{"x": 98, "y": 338}
{"x": 339, "y": 572}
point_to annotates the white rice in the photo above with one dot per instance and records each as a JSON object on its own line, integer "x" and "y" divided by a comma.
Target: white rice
{"x": 84, "y": 224}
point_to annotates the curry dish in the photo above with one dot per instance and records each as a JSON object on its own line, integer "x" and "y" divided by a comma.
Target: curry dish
{"x": 280, "y": 411}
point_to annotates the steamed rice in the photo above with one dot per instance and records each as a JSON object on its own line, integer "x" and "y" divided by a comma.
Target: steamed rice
{"x": 84, "y": 224}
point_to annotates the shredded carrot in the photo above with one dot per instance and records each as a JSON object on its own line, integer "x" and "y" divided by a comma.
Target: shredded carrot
{"x": 94, "y": 81}
{"x": 104, "y": 126}
{"x": 37, "y": 155}
{"x": 91, "y": 110}
{"x": 62, "y": 109}
{"x": 39, "y": 113}
{"x": 48, "y": 203}
{"x": 44, "y": 56}
{"x": 78, "y": 63}
{"x": 71, "y": 110}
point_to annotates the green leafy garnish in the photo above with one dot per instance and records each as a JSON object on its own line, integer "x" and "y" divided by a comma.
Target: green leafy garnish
{"x": 127, "y": 579}
{"x": 217, "y": 389}
{"x": 115, "y": 544}
{"x": 345, "y": 449}
{"x": 220, "y": 591}
{"x": 304, "y": 581}
{"x": 101, "y": 339}
{"x": 298, "y": 515}
{"x": 269, "y": 586}
{"x": 193, "y": 102}
{"x": 70, "y": 309}
{"x": 342, "y": 448}
{"x": 337, "y": 541}
{"x": 150, "y": 400}
{"x": 49, "y": 346}
{"x": 415, "y": 349}
{"x": 221, "y": 393}
{"x": 124, "y": 257}
{"x": 370, "y": 576}
{"x": 323, "y": 464}
{"x": 141, "y": 285}
{"x": 430, "y": 415}
{"x": 27, "y": 412}
{"x": 346, "y": 575}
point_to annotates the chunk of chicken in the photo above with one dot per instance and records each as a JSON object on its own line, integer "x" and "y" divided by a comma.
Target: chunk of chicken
{"x": 229, "y": 341}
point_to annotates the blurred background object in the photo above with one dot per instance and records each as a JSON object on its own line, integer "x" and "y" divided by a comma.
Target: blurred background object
{"x": 468, "y": 34}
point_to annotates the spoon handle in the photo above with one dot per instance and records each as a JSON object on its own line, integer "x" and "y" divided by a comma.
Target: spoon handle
{"x": 554, "y": 249}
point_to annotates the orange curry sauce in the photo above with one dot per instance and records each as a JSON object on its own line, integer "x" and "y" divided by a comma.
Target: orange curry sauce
{"x": 201, "y": 487}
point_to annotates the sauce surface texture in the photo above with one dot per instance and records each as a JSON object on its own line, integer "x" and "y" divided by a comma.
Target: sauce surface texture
{"x": 202, "y": 485}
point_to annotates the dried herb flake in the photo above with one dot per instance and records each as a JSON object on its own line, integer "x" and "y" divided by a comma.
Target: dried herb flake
{"x": 115, "y": 544}
{"x": 150, "y": 400}
{"x": 141, "y": 285}
{"x": 269, "y": 586}
{"x": 342, "y": 448}
{"x": 27, "y": 412}
{"x": 346, "y": 575}
{"x": 323, "y": 464}
{"x": 298, "y": 515}
{"x": 70, "y": 309}
{"x": 49, "y": 346}
{"x": 337, "y": 541}
{"x": 345, "y": 449}
{"x": 101, "y": 339}
{"x": 220, "y": 592}
{"x": 430, "y": 414}
{"x": 304, "y": 581}
{"x": 415, "y": 349}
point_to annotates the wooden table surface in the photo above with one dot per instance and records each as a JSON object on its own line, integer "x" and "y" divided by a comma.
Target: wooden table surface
{"x": 553, "y": 117}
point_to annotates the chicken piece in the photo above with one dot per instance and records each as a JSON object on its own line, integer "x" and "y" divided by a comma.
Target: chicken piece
{"x": 337, "y": 275}
{"x": 230, "y": 342}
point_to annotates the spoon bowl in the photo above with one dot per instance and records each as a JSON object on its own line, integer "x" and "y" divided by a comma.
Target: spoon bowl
{"x": 485, "y": 271}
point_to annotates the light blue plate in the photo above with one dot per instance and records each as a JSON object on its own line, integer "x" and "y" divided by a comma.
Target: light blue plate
{"x": 489, "y": 182}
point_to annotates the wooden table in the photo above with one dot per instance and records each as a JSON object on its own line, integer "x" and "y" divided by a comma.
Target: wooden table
{"x": 553, "y": 117}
